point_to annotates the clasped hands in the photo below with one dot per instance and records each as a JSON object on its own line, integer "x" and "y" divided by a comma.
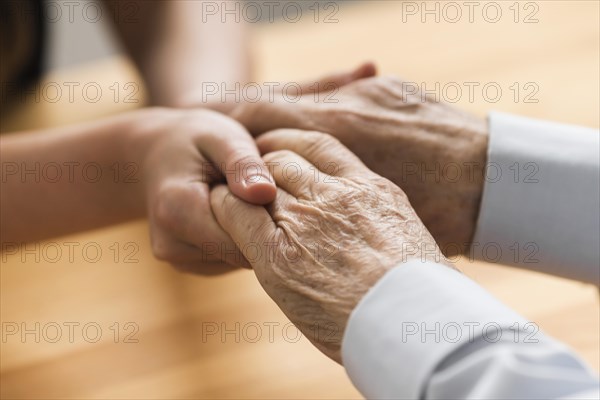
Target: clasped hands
{"x": 336, "y": 199}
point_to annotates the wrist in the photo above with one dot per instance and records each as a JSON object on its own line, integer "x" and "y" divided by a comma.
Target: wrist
{"x": 143, "y": 128}
{"x": 140, "y": 131}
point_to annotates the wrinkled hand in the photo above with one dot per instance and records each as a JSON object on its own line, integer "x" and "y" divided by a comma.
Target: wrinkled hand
{"x": 333, "y": 231}
{"x": 189, "y": 151}
{"x": 185, "y": 152}
{"x": 434, "y": 152}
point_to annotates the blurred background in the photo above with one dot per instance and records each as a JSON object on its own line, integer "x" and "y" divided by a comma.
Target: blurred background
{"x": 94, "y": 315}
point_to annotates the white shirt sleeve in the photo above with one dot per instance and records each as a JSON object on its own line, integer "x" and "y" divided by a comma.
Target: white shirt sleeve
{"x": 541, "y": 200}
{"x": 426, "y": 331}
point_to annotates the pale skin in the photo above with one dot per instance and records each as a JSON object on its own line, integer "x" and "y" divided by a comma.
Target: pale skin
{"x": 397, "y": 134}
{"x": 162, "y": 156}
{"x": 166, "y": 160}
{"x": 157, "y": 163}
{"x": 434, "y": 152}
{"x": 328, "y": 237}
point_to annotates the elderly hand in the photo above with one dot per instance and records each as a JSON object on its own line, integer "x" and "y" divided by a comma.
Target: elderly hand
{"x": 434, "y": 152}
{"x": 333, "y": 231}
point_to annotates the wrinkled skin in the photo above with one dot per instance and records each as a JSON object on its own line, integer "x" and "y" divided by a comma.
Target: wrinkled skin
{"x": 187, "y": 151}
{"x": 330, "y": 235}
{"x": 400, "y": 135}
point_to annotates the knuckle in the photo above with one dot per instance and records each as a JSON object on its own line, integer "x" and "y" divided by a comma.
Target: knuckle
{"x": 284, "y": 132}
{"x": 279, "y": 156}
{"x": 322, "y": 138}
{"x": 317, "y": 142}
{"x": 385, "y": 187}
{"x": 275, "y": 135}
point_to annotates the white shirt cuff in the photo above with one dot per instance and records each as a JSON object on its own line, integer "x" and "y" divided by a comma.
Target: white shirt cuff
{"x": 413, "y": 318}
{"x": 539, "y": 208}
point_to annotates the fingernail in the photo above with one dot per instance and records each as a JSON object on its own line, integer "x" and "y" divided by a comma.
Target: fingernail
{"x": 255, "y": 179}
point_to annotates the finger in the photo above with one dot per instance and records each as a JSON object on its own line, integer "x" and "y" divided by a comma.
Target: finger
{"x": 185, "y": 229}
{"x": 322, "y": 150}
{"x": 267, "y": 115}
{"x": 336, "y": 80}
{"x": 188, "y": 258}
{"x": 294, "y": 174}
{"x": 249, "y": 225}
{"x": 235, "y": 154}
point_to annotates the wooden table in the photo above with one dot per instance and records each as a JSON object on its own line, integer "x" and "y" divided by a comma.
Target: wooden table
{"x": 141, "y": 330}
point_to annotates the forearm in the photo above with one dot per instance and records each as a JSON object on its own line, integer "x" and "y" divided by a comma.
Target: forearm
{"x": 180, "y": 47}
{"x": 58, "y": 181}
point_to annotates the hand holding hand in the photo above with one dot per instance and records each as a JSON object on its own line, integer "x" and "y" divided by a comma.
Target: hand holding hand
{"x": 186, "y": 152}
{"x": 434, "y": 152}
{"x": 333, "y": 231}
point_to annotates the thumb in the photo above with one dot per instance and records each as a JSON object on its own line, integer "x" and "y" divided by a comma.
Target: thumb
{"x": 235, "y": 154}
